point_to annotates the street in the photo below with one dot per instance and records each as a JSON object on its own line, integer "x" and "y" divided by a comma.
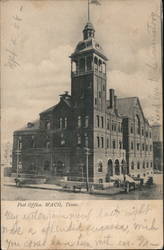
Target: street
{"x": 24, "y": 193}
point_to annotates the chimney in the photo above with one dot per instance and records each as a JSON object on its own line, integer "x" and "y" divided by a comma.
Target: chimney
{"x": 111, "y": 98}
{"x": 30, "y": 125}
{"x": 115, "y": 102}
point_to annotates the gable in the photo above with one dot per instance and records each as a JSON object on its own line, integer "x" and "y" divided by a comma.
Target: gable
{"x": 129, "y": 107}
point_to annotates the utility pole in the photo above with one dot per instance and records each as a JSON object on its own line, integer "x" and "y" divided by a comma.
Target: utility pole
{"x": 87, "y": 174}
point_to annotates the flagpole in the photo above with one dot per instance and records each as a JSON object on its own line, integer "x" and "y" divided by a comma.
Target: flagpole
{"x": 88, "y": 12}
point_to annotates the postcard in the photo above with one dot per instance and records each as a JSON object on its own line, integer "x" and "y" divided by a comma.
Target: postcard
{"x": 81, "y": 141}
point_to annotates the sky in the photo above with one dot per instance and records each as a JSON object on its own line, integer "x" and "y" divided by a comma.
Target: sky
{"x": 39, "y": 36}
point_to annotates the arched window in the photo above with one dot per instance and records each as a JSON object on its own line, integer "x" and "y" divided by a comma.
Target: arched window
{"x": 117, "y": 167}
{"x": 100, "y": 166}
{"x": 47, "y": 144}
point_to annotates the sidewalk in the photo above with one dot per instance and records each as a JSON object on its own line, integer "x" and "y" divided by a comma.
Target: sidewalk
{"x": 111, "y": 191}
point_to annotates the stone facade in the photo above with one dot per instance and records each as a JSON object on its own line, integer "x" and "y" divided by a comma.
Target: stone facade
{"x": 157, "y": 147}
{"x": 87, "y": 132}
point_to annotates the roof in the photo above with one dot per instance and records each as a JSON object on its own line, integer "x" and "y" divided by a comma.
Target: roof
{"x": 34, "y": 125}
{"x": 88, "y": 45}
{"x": 89, "y": 26}
{"x": 66, "y": 100}
{"x": 126, "y": 106}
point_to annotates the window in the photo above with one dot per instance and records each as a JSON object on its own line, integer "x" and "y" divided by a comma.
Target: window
{"x": 143, "y": 165}
{"x": 20, "y": 143}
{"x": 107, "y": 142}
{"x": 102, "y": 121}
{"x": 86, "y": 140}
{"x": 144, "y": 175}
{"x": 150, "y": 148}
{"x": 143, "y": 146}
{"x": 86, "y": 121}
{"x": 65, "y": 122}
{"x": 120, "y": 144}
{"x": 98, "y": 121}
{"x": 60, "y": 122}
{"x": 132, "y": 145}
{"x": 119, "y": 127}
{"x": 33, "y": 144}
{"x": 95, "y": 101}
{"x": 100, "y": 181}
{"x": 47, "y": 125}
{"x": 150, "y": 134}
{"x": 100, "y": 65}
{"x": 89, "y": 63}
{"x": 108, "y": 124}
{"x": 46, "y": 165}
{"x": 78, "y": 139}
{"x": 131, "y": 129}
{"x": 100, "y": 166}
{"x": 98, "y": 141}
{"x": 147, "y": 164}
{"x": 146, "y": 133}
{"x": 47, "y": 144}
{"x": 138, "y": 146}
{"x": 99, "y": 94}
{"x": 114, "y": 144}
{"x": 132, "y": 165}
{"x": 79, "y": 121}
{"x": 151, "y": 164}
{"x": 96, "y": 63}
{"x": 82, "y": 65}
{"x": 146, "y": 147}
{"x": 138, "y": 175}
{"x": 142, "y": 131}
{"x": 62, "y": 141}
{"x": 138, "y": 165}
{"x": 102, "y": 142}
{"x": 138, "y": 124}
